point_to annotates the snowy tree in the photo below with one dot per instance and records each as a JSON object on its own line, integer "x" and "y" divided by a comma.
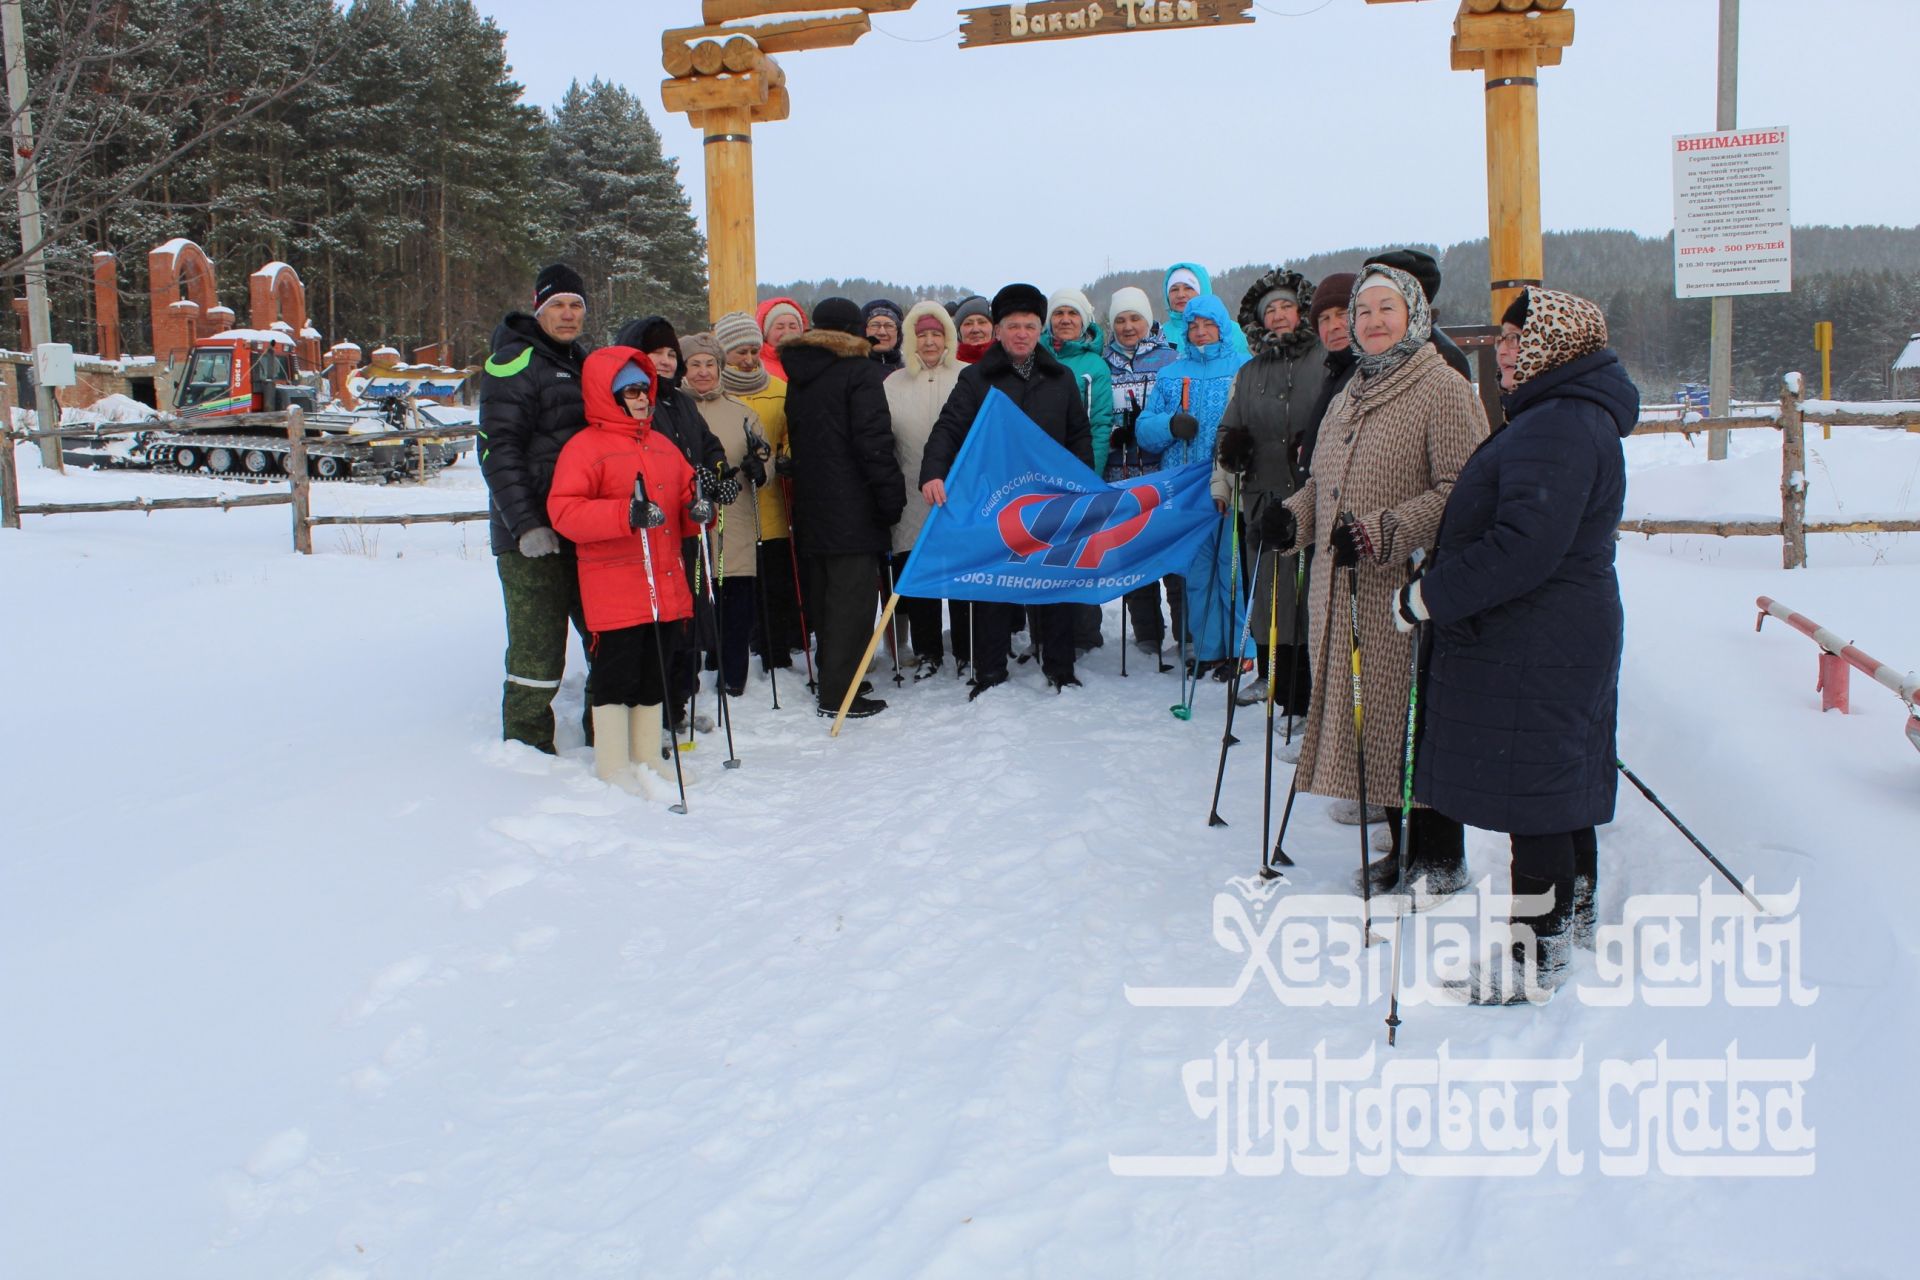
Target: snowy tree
{"x": 623, "y": 218}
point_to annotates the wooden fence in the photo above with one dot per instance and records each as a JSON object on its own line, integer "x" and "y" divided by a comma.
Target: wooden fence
{"x": 1793, "y": 418}
{"x": 297, "y": 494}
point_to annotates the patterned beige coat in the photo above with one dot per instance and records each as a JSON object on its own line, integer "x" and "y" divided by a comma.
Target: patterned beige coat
{"x": 1388, "y": 453}
{"x": 729, "y": 420}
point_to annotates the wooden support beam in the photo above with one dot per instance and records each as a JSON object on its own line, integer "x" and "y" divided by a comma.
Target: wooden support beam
{"x": 732, "y": 282}
{"x": 740, "y": 53}
{"x": 708, "y": 58}
{"x": 778, "y": 106}
{"x": 1482, "y": 6}
{"x": 1490, "y": 31}
{"x": 1514, "y": 249}
{"x": 780, "y": 37}
{"x": 678, "y": 60}
{"x": 1516, "y": 6}
{"x": 713, "y": 93}
{"x": 715, "y": 12}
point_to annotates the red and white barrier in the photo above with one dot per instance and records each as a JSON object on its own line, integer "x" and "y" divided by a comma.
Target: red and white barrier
{"x": 1836, "y": 657}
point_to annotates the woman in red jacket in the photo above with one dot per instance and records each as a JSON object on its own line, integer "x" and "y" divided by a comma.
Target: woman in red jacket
{"x": 631, "y": 598}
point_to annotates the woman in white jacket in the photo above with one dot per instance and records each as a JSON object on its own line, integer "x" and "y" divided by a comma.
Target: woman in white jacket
{"x": 916, "y": 393}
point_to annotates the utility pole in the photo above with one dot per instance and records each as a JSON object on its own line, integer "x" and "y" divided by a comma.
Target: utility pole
{"x": 13, "y": 32}
{"x": 1720, "y": 356}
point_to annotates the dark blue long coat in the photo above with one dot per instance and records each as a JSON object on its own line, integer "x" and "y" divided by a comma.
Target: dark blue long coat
{"x": 1517, "y": 731}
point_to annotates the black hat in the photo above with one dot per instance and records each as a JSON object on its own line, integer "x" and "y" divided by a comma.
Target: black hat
{"x": 888, "y": 305}
{"x": 1019, "y": 299}
{"x": 555, "y": 281}
{"x": 839, "y": 314}
{"x": 1420, "y": 266}
{"x": 650, "y": 333}
{"x": 1518, "y": 310}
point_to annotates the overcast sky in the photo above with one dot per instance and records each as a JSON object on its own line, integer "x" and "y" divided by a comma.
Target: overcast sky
{"x": 921, "y": 163}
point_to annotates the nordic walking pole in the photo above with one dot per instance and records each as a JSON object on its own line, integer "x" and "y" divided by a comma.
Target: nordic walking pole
{"x": 1273, "y": 640}
{"x": 1406, "y": 813}
{"x": 799, "y": 598}
{"x": 893, "y": 630}
{"x": 866, "y": 656}
{"x": 659, "y": 646}
{"x": 1707, "y": 853}
{"x": 720, "y": 643}
{"x": 759, "y": 564}
{"x": 1359, "y": 745}
{"x": 1239, "y": 646}
{"x": 1278, "y": 856}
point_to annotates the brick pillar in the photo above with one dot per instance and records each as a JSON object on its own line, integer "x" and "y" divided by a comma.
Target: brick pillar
{"x": 106, "y": 305}
{"x": 216, "y": 320}
{"x": 342, "y": 359}
{"x": 26, "y": 327}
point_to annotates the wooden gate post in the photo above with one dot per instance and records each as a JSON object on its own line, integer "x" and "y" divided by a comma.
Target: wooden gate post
{"x": 297, "y": 476}
{"x": 732, "y": 277}
{"x": 9, "y": 483}
{"x": 1793, "y": 478}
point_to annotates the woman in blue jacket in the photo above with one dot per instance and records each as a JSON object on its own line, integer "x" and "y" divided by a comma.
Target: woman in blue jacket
{"x": 1180, "y": 421}
{"x": 1183, "y": 282}
{"x": 1522, "y": 688}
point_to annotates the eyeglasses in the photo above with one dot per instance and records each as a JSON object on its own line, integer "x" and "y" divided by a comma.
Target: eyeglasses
{"x": 1507, "y": 342}
{"x": 633, "y": 389}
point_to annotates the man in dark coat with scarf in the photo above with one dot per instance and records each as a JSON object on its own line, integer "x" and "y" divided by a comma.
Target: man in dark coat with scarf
{"x": 1049, "y": 393}
{"x": 1517, "y": 730}
{"x": 847, "y": 488}
{"x": 530, "y": 406}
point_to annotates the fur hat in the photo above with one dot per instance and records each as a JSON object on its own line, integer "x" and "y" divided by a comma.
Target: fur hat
{"x": 840, "y": 315}
{"x": 1415, "y": 263}
{"x": 1333, "y": 292}
{"x": 1131, "y": 299}
{"x": 557, "y": 281}
{"x": 1019, "y": 299}
{"x": 737, "y": 329}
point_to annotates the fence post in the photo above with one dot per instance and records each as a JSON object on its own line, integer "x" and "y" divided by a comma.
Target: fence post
{"x": 9, "y": 481}
{"x": 1793, "y": 477}
{"x": 298, "y": 479}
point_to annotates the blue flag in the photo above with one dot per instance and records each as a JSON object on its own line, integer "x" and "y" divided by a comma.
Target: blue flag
{"x": 1026, "y": 522}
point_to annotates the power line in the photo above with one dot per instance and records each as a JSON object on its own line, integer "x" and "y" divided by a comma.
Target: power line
{"x": 914, "y": 39}
{"x": 1278, "y": 14}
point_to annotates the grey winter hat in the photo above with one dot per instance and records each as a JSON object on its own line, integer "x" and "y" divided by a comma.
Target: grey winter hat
{"x": 737, "y": 329}
{"x": 974, "y": 306}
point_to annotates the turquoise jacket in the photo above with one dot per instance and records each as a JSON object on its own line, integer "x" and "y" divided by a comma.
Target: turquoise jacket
{"x": 1086, "y": 357}
{"x": 1208, "y": 372}
{"x": 1175, "y": 328}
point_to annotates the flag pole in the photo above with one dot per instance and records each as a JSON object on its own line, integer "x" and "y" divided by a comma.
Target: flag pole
{"x": 853, "y": 685}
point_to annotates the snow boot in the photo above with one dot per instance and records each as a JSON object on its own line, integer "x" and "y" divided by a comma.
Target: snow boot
{"x": 1535, "y": 962}
{"x": 859, "y": 709}
{"x": 1347, "y": 813}
{"x": 612, "y": 751}
{"x": 1254, "y": 692}
{"x": 643, "y": 727}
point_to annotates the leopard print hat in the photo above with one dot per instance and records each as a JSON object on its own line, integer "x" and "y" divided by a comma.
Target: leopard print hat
{"x": 1560, "y": 328}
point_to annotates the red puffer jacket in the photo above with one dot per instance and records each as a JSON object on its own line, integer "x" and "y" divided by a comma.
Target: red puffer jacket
{"x": 592, "y": 490}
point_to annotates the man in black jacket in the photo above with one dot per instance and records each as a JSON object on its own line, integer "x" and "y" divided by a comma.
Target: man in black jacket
{"x": 530, "y": 406}
{"x": 847, "y": 489}
{"x": 1049, "y": 393}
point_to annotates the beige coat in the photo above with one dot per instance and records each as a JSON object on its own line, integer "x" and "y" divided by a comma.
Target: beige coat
{"x": 1388, "y": 453}
{"x": 915, "y": 396}
{"x": 729, "y": 419}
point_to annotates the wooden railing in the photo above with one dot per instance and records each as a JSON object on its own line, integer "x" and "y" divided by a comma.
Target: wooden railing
{"x": 297, "y": 494}
{"x": 1791, "y": 421}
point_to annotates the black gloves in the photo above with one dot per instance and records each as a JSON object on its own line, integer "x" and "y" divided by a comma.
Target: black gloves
{"x": 642, "y": 514}
{"x": 1349, "y": 542}
{"x": 1122, "y": 436}
{"x": 1184, "y": 426}
{"x": 1278, "y": 529}
{"x": 783, "y": 464}
{"x": 754, "y": 465}
{"x": 1235, "y": 449}
{"x": 722, "y": 490}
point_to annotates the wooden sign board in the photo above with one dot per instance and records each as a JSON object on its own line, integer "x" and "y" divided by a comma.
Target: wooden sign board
{"x": 1065, "y": 19}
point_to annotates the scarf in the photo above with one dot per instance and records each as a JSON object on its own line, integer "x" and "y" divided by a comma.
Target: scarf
{"x": 734, "y": 382}
{"x": 1419, "y": 322}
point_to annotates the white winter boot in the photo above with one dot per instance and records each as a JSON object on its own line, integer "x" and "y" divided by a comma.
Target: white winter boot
{"x": 644, "y": 732}
{"x": 612, "y": 751}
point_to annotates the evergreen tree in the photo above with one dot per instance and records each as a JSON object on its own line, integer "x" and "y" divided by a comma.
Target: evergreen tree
{"x": 622, "y": 217}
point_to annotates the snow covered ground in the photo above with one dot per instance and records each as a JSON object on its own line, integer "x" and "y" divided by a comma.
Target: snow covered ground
{"x": 309, "y": 976}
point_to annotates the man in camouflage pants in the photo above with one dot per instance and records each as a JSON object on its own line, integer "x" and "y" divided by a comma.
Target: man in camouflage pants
{"x": 530, "y": 406}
